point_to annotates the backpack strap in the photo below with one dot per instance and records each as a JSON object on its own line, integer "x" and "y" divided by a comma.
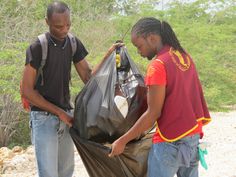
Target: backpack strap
{"x": 73, "y": 43}
{"x": 44, "y": 44}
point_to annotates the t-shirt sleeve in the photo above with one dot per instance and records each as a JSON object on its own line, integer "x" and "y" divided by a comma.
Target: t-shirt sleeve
{"x": 34, "y": 55}
{"x": 156, "y": 74}
{"x": 80, "y": 53}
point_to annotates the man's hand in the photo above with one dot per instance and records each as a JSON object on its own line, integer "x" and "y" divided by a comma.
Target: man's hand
{"x": 66, "y": 118}
{"x": 109, "y": 52}
{"x": 113, "y": 47}
{"x": 117, "y": 147}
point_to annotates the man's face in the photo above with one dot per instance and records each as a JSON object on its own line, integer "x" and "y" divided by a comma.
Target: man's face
{"x": 59, "y": 25}
{"x": 145, "y": 46}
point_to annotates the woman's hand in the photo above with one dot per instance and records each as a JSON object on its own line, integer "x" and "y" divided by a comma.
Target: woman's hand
{"x": 117, "y": 147}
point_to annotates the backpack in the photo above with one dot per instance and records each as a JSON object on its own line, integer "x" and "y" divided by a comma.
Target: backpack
{"x": 44, "y": 44}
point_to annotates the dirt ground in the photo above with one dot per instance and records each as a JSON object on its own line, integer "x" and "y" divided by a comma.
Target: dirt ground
{"x": 220, "y": 135}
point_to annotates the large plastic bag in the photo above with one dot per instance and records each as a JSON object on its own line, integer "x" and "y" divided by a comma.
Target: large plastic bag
{"x": 132, "y": 163}
{"x": 97, "y": 117}
{"x": 99, "y": 120}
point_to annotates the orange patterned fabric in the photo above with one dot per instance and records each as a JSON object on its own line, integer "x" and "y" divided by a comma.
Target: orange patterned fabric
{"x": 156, "y": 73}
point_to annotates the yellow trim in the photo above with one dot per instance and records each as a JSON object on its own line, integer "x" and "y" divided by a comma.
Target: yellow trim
{"x": 160, "y": 61}
{"x": 184, "y": 134}
{"x": 208, "y": 120}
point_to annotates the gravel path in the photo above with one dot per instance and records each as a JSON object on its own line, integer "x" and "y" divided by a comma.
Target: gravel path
{"x": 220, "y": 135}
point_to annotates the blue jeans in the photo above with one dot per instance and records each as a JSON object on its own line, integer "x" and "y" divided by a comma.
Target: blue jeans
{"x": 53, "y": 145}
{"x": 179, "y": 157}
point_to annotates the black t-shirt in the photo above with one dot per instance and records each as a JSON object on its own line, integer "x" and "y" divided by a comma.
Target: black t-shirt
{"x": 57, "y": 70}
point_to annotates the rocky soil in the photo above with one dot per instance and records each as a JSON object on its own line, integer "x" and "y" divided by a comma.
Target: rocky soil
{"x": 220, "y": 136}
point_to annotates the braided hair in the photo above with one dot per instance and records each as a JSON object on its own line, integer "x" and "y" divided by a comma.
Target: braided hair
{"x": 56, "y": 7}
{"x": 151, "y": 25}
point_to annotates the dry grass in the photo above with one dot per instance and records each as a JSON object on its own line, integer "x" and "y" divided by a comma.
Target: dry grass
{"x": 9, "y": 119}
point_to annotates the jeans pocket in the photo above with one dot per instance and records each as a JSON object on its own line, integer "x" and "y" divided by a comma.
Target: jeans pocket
{"x": 31, "y": 132}
{"x": 170, "y": 155}
{"x": 38, "y": 118}
{"x": 194, "y": 157}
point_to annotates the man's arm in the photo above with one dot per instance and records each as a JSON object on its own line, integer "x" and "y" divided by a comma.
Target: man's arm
{"x": 36, "y": 99}
{"x": 155, "y": 98}
{"x": 84, "y": 71}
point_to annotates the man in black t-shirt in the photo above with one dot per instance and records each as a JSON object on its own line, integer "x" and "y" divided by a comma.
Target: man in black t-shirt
{"x": 50, "y": 114}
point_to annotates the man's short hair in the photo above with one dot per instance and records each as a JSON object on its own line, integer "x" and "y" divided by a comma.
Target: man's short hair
{"x": 57, "y": 7}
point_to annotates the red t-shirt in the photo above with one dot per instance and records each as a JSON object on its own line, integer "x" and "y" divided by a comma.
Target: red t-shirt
{"x": 156, "y": 75}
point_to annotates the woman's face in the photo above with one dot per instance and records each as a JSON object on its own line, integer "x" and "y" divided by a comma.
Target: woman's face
{"x": 146, "y": 46}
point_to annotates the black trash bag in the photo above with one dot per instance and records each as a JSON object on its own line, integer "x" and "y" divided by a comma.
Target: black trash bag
{"x": 132, "y": 163}
{"x": 98, "y": 121}
{"x": 97, "y": 117}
